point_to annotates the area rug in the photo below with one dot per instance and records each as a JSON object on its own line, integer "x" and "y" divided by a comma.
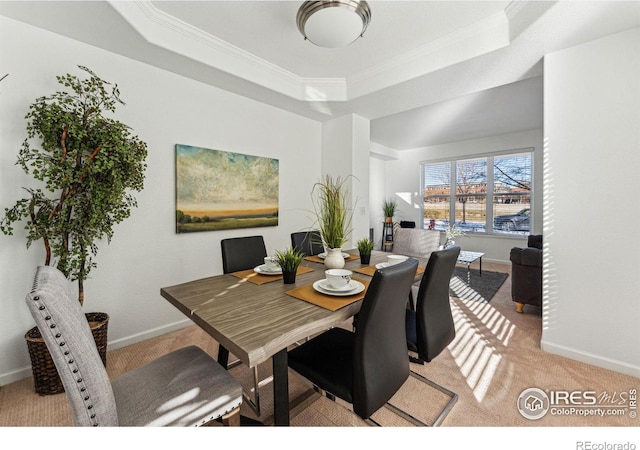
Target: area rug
{"x": 473, "y": 286}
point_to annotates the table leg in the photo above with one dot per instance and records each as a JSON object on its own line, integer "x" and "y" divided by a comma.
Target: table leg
{"x": 223, "y": 356}
{"x": 280, "y": 388}
{"x": 481, "y": 266}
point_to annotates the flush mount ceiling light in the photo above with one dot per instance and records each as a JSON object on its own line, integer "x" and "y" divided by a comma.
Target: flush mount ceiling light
{"x": 333, "y": 23}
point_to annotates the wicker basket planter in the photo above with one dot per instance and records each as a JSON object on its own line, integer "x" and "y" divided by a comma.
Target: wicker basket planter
{"x": 45, "y": 376}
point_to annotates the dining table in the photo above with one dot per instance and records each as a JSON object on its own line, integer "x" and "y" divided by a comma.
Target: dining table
{"x": 258, "y": 317}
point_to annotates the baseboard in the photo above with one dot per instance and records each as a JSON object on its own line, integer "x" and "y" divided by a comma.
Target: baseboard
{"x": 496, "y": 261}
{"x": 20, "y": 374}
{"x": 590, "y": 358}
{"x": 149, "y": 334}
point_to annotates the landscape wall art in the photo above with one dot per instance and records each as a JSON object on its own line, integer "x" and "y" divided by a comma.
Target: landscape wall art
{"x": 219, "y": 190}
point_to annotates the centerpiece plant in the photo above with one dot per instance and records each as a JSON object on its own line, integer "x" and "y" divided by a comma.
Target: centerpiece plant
{"x": 330, "y": 202}
{"x": 332, "y": 211}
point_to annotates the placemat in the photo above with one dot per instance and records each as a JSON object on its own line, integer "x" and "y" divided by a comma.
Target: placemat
{"x": 317, "y": 259}
{"x": 257, "y": 278}
{"x": 330, "y": 302}
{"x": 370, "y": 270}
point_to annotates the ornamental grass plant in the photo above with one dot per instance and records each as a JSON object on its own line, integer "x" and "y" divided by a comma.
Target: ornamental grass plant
{"x": 330, "y": 202}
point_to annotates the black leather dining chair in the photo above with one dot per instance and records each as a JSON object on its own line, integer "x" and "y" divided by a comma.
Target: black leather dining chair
{"x": 430, "y": 328}
{"x": 365, "y": 367}
{"x": 238, "y": 254}
{"x": 307, "y": 242}
{"x": 242, "y": 253}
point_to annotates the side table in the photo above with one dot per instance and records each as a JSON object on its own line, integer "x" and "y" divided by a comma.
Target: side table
{"x": 387, "y": 237}
{"x": 466, "y": 257}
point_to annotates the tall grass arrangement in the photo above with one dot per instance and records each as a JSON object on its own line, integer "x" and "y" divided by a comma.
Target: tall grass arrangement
{"x": 329, "y": 198}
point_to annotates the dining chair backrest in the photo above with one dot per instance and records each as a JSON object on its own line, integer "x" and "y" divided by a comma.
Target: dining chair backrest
{"x": 242, "y": 253}
{"x": 307, "y": 242}
{"x": 184, "y": 387}
{"x": 381, "y": 365}
{"x": 434, "y": 326}
{"x": 65, "y": 331}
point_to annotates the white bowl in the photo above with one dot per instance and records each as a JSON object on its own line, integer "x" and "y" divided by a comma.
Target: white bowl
{"x": 396, "y": 259}
{"x": 338, "y": 278}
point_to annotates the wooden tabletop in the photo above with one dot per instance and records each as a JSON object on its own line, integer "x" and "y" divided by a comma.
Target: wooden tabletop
{"x": 256, "y": 321}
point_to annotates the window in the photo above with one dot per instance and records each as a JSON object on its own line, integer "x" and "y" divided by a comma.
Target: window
{"x": 489, "y": 194}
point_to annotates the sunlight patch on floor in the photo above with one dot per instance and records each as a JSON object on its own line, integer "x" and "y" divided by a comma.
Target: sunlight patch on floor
{"x": 463, "y": 290}
{"x": 474, "y": 348}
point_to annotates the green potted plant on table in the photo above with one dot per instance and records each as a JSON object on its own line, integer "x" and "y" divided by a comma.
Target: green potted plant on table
{"x": 330, "y": 201}
{"x": 389, "y": 207}
{"x": 88, "y": 164}
{"x": 288, "y": 260}
{"x": 365, "y": 247}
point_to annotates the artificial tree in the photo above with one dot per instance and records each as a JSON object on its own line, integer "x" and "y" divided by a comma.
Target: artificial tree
{"x": 89, "y": 164}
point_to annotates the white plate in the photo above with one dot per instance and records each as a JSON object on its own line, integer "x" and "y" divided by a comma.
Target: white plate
{"x": 350, "y": 286}
{"x": 323, "y": 255}
{"x": 261, "y": 269}
{"x": 382, "y": 265}
{"x": 359, "y": 287}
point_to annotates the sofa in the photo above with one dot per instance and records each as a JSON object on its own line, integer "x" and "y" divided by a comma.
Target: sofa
{"x": 415, "y": 241}
{"x": 526, "y": 274}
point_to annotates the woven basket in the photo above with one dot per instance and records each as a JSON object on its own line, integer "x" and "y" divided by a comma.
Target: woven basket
{"x": 45, "y": 376}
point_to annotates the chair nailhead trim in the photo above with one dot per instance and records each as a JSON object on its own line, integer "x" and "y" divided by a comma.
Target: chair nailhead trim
{"x": 70, "y": 362}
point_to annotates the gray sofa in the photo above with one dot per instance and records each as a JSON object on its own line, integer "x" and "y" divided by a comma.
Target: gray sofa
{"x": 415, "y": 241}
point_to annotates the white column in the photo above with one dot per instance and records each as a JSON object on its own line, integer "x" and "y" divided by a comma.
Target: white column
{"x": 345, "y": 153}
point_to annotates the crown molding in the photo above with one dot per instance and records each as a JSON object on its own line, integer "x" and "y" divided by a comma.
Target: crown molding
{"x": 174, "y": 35}
{"x": 169, "y": 33}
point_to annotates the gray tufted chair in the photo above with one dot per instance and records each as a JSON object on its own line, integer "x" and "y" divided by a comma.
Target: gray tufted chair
{"x": 183, "y": 388}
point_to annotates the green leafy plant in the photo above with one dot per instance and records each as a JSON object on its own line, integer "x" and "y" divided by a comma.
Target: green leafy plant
{"x": 365, "y": 246}
{"x": 389, "y": 207}
{"x": 333, "y": 215}
{"x": 288, "y": 259}
{"x": 88, "y": 163}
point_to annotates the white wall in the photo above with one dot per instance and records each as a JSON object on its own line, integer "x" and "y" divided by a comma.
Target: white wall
{"x": 146, "y": 254}
{"x": 402, "y": 181}
{"x": 592, "y": 161}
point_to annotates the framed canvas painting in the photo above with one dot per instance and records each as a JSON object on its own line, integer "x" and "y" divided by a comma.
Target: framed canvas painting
{"x": 219, "y": 190}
